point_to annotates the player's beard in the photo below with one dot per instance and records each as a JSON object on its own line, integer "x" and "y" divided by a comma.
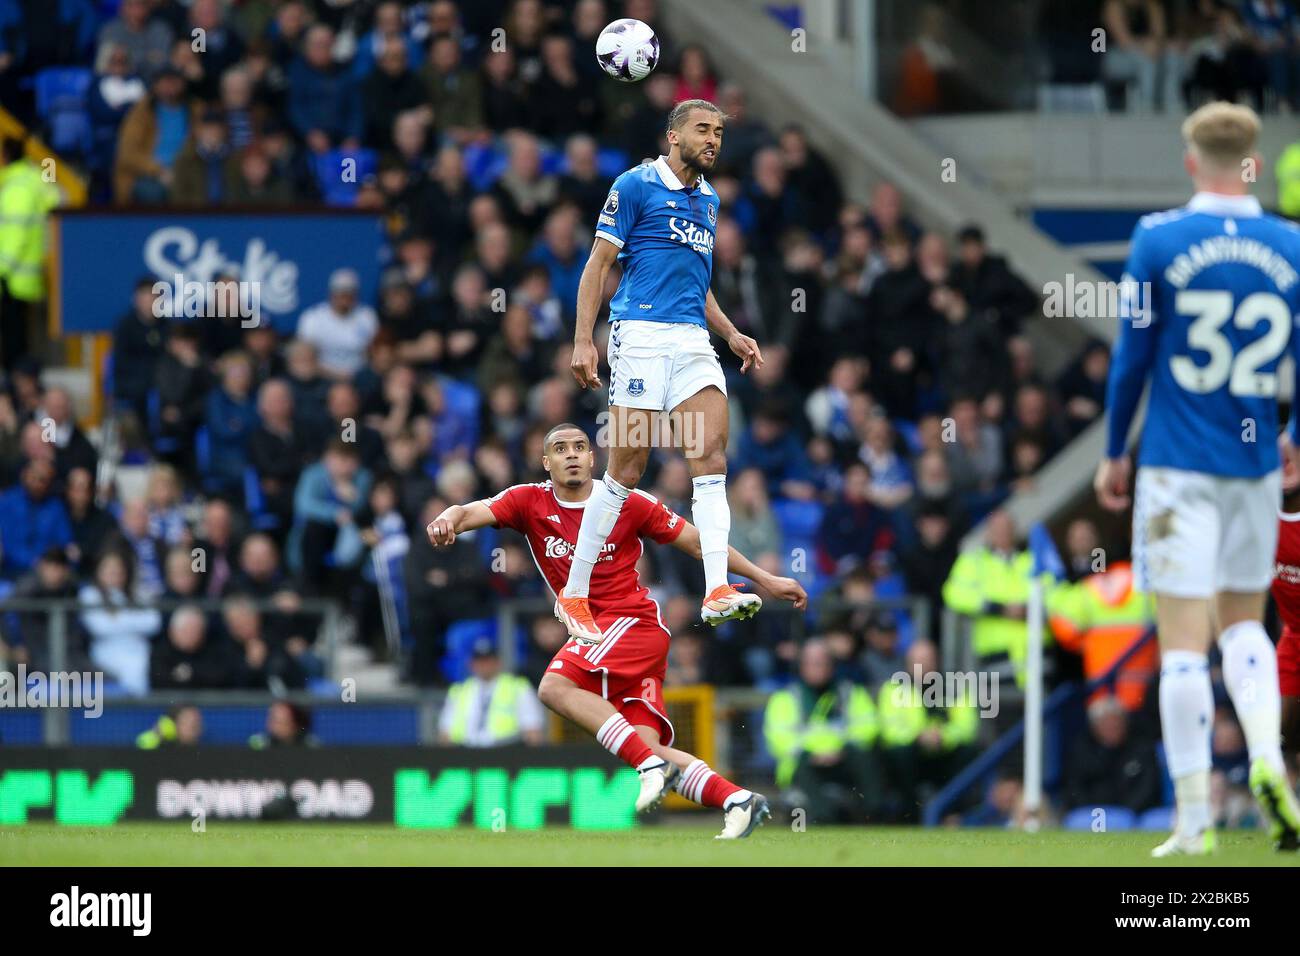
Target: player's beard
{"x": 696, "y": 161}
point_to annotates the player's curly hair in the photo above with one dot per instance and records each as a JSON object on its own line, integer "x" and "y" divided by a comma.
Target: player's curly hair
{"x": 683, "y": 109}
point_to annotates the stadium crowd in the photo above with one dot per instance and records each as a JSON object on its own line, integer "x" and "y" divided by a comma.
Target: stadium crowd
{"x": 1138, "y": 56}
{"x": 877, "y": 336}
{"x": 900, "y": 401}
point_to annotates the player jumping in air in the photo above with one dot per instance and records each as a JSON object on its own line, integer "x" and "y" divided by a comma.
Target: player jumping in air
{"x": 1208, "y": 302}
{"x": 614, "y": 689}
{"x": 658, "y": 222}
{"x": 1286, "y": 595}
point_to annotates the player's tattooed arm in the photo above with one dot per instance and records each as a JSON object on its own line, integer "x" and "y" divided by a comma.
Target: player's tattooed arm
{"x": 443, "y": 529}
{"x": 787, "y": 589}
{"x": 585, "y": 363}
{"x": 745, "y": 348}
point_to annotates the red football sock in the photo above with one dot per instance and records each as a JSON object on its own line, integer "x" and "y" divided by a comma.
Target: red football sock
{"x": 619, "y": 737}
{"x": 701, "y": 784}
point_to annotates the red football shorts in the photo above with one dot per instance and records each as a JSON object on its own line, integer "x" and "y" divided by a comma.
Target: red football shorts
{"x": 1288, "y": 663}
{"x": 626, "y": 669}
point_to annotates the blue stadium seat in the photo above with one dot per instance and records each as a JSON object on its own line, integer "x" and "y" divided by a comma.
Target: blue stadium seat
{"x": 1117, "y": 818}
{"x": 1159, "y": 818}
{"x": 553, "y": 163}
{"x": 203, "y": 460}
{"x": 328, "y": 168}
{"x": 61, "y": 105}
{"x": 799, "y": 522}
{"x": 162, "y": 444}
{"x": 484, "y": 165}
{"x": 460, "y": 639}
{"x": 255, "y": 503}
{"x": 910, "y": 434}
{"x": 610, "y": 163}
{"x": 463, "y": 403}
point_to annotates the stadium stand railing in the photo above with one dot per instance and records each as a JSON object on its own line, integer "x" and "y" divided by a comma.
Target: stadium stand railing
{"x": 978, "y": 770}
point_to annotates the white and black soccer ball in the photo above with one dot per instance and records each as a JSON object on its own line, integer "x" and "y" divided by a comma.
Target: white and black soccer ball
{"x": 627, "y": 50}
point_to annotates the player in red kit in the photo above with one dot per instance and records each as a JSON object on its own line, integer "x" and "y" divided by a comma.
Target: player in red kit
{"x": 1286, "y": 594}
{"x": 613, "y": 688}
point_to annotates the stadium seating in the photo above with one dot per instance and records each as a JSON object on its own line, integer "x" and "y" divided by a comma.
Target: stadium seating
{"x": 799, "y": 522}
{"x": 162, "y": 444}
{"x": 255, "y": 503}
{"x": 461, "y": 637}
{"x": 61, "y": 106}
{"x": 1158, "y": 819}
{"x": 337, "y": 189}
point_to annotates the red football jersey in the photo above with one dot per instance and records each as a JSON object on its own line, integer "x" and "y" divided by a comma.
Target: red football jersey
{"x": 551, "y": 527}
{"x": 1286, "y": 570}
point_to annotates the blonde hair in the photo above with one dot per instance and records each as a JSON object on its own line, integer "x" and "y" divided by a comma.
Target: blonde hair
{"x": 1222, "y": 134}
{"x": 163, "y": 475}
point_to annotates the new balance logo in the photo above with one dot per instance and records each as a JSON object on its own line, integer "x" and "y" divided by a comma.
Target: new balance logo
{"x": 555, "y": 518}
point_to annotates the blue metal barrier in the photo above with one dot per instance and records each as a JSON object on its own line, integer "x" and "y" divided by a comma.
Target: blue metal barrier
{"x": 985, "y": 763}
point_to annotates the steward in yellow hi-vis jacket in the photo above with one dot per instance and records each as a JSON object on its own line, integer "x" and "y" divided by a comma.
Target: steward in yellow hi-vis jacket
{"x": 1099, "y": 618}
{"x": 1287, "y": 171}
{"x": 25, "y": 203}
{"x": 990, "y": 585}
{"x": 821, "y": 731}
{"x": 925, "y": 736}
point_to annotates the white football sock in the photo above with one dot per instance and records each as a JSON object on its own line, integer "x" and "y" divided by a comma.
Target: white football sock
{"x": 1192, "y": 794}
{"x": 712, "y": 516}
{"x": 1250, "y": 674}
{"x": 1186, "y": 719}
{"x": 598, "y": 520}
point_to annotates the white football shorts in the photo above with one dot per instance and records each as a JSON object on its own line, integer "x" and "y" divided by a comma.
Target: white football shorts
{"x": 1196, "y": 534}
{"x": 658, "y": 365}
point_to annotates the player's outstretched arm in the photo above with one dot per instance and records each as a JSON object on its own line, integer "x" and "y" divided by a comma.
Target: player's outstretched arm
{"x": 741, "y": 344}
{"x": 591, "y": 290}
{"x": 787, "y": 589}
{"x": 443, "y": 529}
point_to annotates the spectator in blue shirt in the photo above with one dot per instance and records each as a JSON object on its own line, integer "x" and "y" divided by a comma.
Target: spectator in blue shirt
{"x": 31, "y": 520}
{"x": 324, "y": 101}
{"x": 853, "y": 527}
{"x": 230, "y": 419}
{"x": 558, "y": 251}
{"x": 329, "y": 496}
{"x": 771, "y": 446}
{"x": 1272, "y": 25}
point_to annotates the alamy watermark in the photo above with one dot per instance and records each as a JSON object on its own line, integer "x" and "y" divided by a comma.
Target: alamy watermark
{"x": 1127, "y": 299}
{"x": 224, "y": 299}
{"x": 653, "y": 429}
{"x": 73, "y": 690}
{"x": 978, "y": 689}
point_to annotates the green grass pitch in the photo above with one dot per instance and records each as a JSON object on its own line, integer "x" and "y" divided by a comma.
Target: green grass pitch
{"x": 249, "y": 844}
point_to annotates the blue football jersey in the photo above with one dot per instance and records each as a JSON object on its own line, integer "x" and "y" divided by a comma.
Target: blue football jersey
{"x": 664, "y": 233}
{"x": 1221, "y": 297}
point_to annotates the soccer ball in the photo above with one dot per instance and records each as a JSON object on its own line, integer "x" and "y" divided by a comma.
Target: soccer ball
{"x": 627, "y": 50}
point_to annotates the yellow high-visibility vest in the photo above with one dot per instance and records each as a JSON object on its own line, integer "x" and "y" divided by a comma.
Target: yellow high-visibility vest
{"x": 25, "y": 204}
{"x": 503, "y": 708}
{"x": 790, "y": 732}
{"x": 1288, "y": 181}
